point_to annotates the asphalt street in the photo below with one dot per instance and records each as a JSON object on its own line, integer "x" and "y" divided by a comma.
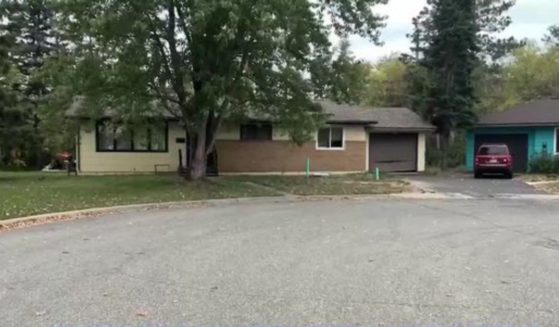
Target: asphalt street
{"x": 483, "y": 188}
{"x": 355, "y": 262}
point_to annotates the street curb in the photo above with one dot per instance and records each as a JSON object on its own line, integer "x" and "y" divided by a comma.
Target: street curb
{"x": 542, "y": 183}
{"x": 16, "y": 223}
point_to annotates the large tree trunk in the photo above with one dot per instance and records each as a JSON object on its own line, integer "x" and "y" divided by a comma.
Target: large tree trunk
{"x": 198, "y": 165}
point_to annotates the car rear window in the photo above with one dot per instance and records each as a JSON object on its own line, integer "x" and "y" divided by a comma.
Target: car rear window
{"x": 493, "y": 150}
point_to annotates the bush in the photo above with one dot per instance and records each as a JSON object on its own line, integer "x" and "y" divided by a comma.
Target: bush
{"x": 544, "y": 164}
{"x": 453, "y": 157}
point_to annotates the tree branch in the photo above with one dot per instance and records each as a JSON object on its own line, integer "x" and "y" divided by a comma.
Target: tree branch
{"x": 182, "y": 24}
{"x": 160, "y": 46}
{"x": 176, "y": 60}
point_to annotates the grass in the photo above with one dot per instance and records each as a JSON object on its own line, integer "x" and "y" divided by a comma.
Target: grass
{"x": 552, "y": 188}
{"x": 24, "y": 193}
{"x": 30, "y": 193}
{"x": 332, "y": 185}
{"x": 539, "y": 177}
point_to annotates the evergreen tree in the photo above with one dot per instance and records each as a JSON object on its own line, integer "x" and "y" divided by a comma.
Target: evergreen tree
{"x": 552, "y": 38}
{"x": 451, "y": 39}
{"x": 14, "y": 131}
{"x": 31, "y": 26}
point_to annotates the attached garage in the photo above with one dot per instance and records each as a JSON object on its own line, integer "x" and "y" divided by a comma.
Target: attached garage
{"x": 517, "y": 143}
{"x": 391, "y": 152}
{"x": 530, "y": 130}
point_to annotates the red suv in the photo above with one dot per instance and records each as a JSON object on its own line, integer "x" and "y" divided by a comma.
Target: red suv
{"x": 493, "y": 159}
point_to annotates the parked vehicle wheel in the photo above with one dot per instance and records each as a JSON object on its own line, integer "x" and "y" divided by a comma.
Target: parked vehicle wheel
{"x": 478, "y": 175}
{"x": 509, "y": 175}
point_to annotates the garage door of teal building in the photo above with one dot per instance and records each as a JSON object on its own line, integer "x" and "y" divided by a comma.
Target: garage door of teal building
{"x": 526, "y": 143}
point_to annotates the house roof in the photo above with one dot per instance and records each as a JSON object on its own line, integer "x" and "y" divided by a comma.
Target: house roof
{"x": 543, "y": 112}
{"x": 381, "y": 119}
{"x": 76, "y": 110}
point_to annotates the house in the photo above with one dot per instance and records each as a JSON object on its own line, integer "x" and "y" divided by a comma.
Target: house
{"x": 529, "y": 130}
{"x": 355, "y": 139}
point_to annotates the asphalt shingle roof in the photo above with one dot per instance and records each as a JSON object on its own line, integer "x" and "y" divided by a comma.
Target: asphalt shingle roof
{"x": 394, "y": 118}
{"x": 397, "y": 119}
{"x": 537, "y": 113}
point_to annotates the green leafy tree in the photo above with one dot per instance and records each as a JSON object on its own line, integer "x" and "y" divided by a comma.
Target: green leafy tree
{"x": 351, "y": 77}
{"x": 206, "y": 61}
{"x": 489, "y": 83}
{"x": 531, "y": 75}
{"x": 388, "y": 84}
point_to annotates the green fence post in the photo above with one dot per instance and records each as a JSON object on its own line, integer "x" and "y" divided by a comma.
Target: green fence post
{"x": 308, "y": 168}
{"x": 377, "y": 174}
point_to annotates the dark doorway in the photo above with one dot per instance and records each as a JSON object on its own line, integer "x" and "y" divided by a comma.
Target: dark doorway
{"x": 517, "y": 143}
{"x": 212, "y": 168}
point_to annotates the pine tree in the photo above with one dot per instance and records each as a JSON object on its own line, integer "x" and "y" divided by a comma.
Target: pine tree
{"x": 451, "y": 38}
{"x": 451, "y": 58}
{"x": 31, "y": 26}
{"x": 552, "y": 38}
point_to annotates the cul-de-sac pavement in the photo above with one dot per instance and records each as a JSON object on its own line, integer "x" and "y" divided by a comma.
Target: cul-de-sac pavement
{"x": 487, "y": 257}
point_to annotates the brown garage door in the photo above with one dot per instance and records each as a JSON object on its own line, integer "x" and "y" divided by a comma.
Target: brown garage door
{"x": 393, "y": 152}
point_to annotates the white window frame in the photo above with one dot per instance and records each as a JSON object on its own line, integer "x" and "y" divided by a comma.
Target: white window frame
{"x": 330, "y": 148}
{"x": 555, "y": 141}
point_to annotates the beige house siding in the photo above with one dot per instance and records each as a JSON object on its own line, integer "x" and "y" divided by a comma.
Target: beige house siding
{"x": 234, "y": 156}
{"x": 93, "y": 162}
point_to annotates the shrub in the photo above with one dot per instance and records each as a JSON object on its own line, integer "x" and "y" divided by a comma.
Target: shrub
{"x": 544, "y": 164}
{"x": 453, "y": 157}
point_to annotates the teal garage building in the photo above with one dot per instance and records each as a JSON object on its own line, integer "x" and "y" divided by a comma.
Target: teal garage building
{"x": 529, "y": 130}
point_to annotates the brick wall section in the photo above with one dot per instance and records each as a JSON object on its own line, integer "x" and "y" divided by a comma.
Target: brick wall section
{"x": 284, "y": 156}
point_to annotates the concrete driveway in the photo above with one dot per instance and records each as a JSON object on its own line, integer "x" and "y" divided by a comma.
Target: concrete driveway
{"x": 363, "y": 262}
{"x": 466, "y": 186}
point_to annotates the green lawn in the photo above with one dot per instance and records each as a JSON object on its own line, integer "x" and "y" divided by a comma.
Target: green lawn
{"x": 332, "y": 185}
{"x": 25, "y": 193}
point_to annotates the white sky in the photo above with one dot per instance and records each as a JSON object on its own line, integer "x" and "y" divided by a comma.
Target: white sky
{"x": 531, "y": 18}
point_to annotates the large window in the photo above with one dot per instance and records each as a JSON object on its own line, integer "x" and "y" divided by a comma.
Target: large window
{"x": 256, "y": 132}
{"x": 330, "y": 138}
{"x": 117, "y": 138}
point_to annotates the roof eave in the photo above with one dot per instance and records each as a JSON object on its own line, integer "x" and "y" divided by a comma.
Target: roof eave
{"x": 352, "y": 122}
{"x": 535, "y": 124}
{"x": 403, "y": 129}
